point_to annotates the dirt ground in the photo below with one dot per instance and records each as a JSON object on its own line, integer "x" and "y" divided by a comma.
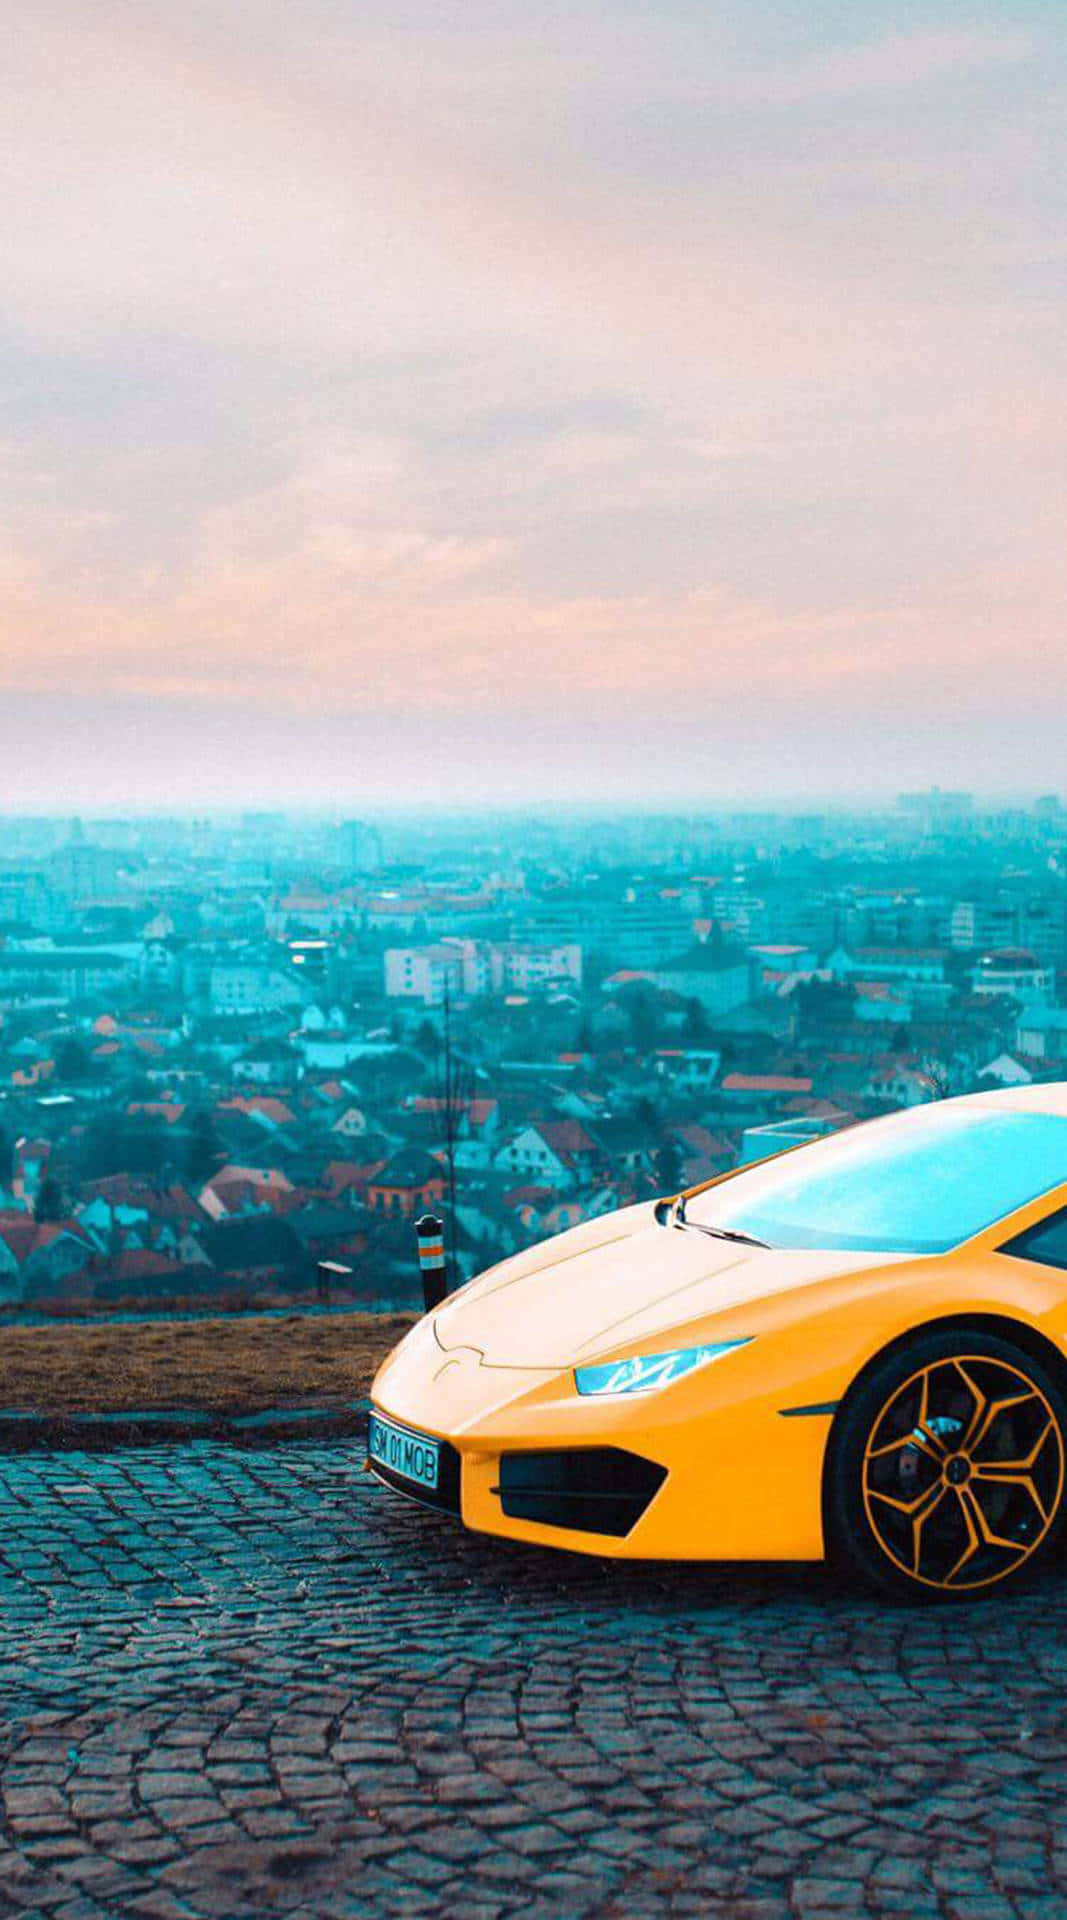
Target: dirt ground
{"x": 231, "y": 1366}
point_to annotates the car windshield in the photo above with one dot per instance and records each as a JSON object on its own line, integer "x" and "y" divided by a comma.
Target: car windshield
{"x": 912, "y": 1183}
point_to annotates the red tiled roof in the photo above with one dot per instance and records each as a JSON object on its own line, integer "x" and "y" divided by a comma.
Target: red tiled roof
{"x": 24, "y": 1236}
{"x": 137, "y": 1263}
{"x": 262, "y": 1103}
{"x": 527, "y": 1196}
{"x": 765, "y": 1083}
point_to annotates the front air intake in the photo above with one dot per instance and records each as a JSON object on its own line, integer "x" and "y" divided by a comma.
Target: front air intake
{"x": 588, "y": 1489}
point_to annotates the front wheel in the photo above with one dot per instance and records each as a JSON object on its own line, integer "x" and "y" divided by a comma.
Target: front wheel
{"x": 946, "y": 1469}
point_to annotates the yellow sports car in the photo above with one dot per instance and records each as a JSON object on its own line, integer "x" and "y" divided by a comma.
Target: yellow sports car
{"x": 853, "y": 1350}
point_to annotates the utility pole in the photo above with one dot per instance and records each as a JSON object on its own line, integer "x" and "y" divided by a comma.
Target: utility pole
{"x": 451, "y": 1121}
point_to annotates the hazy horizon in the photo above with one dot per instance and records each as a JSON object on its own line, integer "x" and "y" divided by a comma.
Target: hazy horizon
{"x": 493, "y": 404}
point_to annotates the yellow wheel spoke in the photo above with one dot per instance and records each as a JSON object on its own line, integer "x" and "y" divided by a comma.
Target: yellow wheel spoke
{"x": 919, "y": 1523}
{"x": 995, "y": 1477}
{"x": 933, "y": 1442}
{"x": 973, "y": 1537}
{"x": 923, "y": 1442}
{"x": 910, "y": 1507}
{"x": 993, "y": 1412}
{"x": 979, "y": 1399}
{"x": 1016, "y": 1466}
{"x": 952, "y": 1408}
{"x": 973, "y": 1510}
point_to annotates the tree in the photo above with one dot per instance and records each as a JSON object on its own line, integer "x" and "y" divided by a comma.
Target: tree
{"x": 204, "y": 1150}
{"x": 72, "y": 1059}
{"x": 641, "y": 1014}
{"x": 48, "y": 1205}
{"x": 695, "y": 1030}
{"x": 669, "y": 1165}
{"x": 938, "y": 1078}
{"x": 426, "y": 1041}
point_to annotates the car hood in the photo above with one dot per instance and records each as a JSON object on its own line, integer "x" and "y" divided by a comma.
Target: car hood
{"x": 620, "y": 1278}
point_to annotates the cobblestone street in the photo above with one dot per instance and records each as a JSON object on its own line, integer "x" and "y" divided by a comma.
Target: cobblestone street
{"x": 251, "y": 1683}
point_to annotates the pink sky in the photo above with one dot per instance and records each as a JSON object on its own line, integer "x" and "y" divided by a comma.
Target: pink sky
{"x": 448, "y": 400}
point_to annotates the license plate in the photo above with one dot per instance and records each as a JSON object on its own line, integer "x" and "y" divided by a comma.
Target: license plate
{"x": 411, "y": 1455}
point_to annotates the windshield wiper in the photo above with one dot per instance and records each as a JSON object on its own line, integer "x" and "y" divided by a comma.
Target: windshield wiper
{"x": 678, "y": 1218}
{"x": 728, "y": 1233}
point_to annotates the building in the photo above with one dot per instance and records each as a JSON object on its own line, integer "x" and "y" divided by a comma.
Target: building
{"x": 410, "y": 1182}
{"x": 937, "y": 812}
{"x": 251, "y": 986}
{"x": 359, "y": 846}
{"x": 1041, "y": 1032}
{"x": 1036, "y": 925}
{"x": 467, "y": 969}
{"x": 718, "y": 977}
{"x": 430, "y": 974}
{"x": 780, "y": 1136}
{"x": 1014, "y": 974}
{"x": 555, "y": 1153}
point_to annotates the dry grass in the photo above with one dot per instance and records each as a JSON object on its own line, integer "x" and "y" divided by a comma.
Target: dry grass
{"x": 221, "y": 1366}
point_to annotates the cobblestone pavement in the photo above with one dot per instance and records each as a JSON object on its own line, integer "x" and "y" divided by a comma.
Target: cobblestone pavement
{"x": 255, "y": 1683}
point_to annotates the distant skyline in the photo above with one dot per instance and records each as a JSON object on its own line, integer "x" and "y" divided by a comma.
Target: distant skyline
{"x": 460, "y": 400}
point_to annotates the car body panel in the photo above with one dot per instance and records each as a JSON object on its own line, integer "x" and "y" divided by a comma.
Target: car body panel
{"x": 744, "y": 1437}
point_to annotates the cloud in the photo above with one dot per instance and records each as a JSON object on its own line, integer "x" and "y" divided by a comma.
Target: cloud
{"x": 490, "y": 363}
{"x": 901, "y": 62}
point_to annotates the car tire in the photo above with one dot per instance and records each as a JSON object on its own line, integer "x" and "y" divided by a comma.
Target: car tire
{"x": 946, "y": 1469}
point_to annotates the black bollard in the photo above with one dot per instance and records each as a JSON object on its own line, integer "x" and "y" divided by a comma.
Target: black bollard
{"x": 431, "y": 1235}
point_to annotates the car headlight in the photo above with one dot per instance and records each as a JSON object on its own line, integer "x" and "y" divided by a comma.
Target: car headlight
{"x": 647, "y": 1371}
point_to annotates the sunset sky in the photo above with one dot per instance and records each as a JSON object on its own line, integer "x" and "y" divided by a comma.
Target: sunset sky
{"x": 616, "y": 399}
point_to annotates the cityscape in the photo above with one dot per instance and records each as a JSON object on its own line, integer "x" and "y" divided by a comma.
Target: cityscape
{"x": 241, "y": 1054}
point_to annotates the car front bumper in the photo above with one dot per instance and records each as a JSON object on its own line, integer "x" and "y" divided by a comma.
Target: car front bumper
{"x": 727, "y": 1480}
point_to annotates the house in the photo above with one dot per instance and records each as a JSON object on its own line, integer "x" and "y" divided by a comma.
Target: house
{"x": 775, "y": 960}
{"x": 250, "y": 985}
{"x": 477, "y": 1118}
{"x": 900, "y": 1083}
{"x": 40, "y": 1256}
{"x": 1041, "y": 1032}
{"x": 626, "y": 1145}
{"x": 230, "y": 1189}
{"x": 718, "y": 977}
{"x": 432, "y": 973}
{"x": 688, "y": 1070}
{"x": 1009, "y": 1070}
{"x": 141, "y": 1269}
{"x": 557, "y": 1153}
{"x": 878, "y": 1000}
{"x": 410, "y": 1182}
{"x": 920, "y": 966}
{"x": 267, "y": 1062}
{"x": 465, "y": 969}
{"x": 167, "y": 1113}
{"x": 1012, "y": 973}
{"x": 30, "y": 1167}
{"x": 765, "y": 1086}
{"x": 702, "y": 1154}
{"x": 272, "y": 1114}
{"x": 529, "y": 1203}
{"x": 348, "y": 1180}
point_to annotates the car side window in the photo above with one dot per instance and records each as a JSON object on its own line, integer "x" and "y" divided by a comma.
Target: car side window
{"x": 1047, "y": 1242}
